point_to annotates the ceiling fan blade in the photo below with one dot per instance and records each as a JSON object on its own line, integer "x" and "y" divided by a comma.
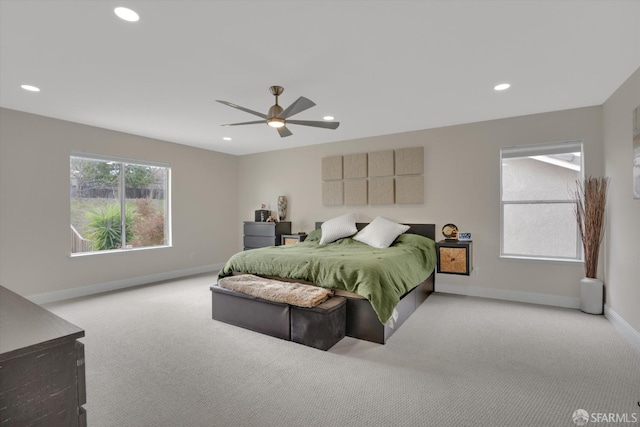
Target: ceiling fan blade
{"x": 317, "y": 124}
{"x": 283, "y": 131}
{"x": 298, "y": 106}
{"x": 244, "y": 123}
{"x": 230, "y": 104}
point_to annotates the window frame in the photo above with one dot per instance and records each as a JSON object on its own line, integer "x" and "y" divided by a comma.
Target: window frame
{"x": 124, "y": 161}
{"x": 539, "y": 149}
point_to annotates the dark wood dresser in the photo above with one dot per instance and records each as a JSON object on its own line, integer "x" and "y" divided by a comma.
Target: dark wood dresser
{"x": 262, "y": 234}
{"x": 42, "y": 377}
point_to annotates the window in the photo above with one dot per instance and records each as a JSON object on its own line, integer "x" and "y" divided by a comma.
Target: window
{"x": 537, "y": 203}
{"x": 104, "y": 190}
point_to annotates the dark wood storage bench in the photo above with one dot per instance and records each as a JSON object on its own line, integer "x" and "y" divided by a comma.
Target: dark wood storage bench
{"x": 320, "y": 327}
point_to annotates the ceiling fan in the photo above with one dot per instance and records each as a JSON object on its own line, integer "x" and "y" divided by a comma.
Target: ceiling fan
{"x": 278, "y": 118}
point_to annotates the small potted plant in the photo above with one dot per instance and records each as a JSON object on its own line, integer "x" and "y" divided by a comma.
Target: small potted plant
{"x": 591, "y": 199}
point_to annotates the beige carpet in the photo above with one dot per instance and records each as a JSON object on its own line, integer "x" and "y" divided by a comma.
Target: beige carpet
{"x": 155, "y": 358}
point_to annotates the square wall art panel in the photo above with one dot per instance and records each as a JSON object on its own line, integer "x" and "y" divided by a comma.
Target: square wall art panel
{"x": 355, "y": 166}
{"x": 332, "y": 193}
{"x": 332, "y": 168}
{"x": 376, "y": 178}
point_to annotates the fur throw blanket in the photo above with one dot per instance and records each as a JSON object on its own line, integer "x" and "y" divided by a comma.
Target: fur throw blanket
{"x": 292, "y": 293}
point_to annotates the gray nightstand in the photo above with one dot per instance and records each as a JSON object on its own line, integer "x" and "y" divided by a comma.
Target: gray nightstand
{"x": 261, "y": 234}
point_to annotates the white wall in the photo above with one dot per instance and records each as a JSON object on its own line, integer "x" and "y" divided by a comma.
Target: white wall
{"x": 622, "y": 246}
{"x": 461, "y": 186}
{"x": 34, "y": 206}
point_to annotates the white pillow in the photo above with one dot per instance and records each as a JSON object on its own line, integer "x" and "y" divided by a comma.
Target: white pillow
{"x": 338, "y": 227}
{"x": 380, "y": 233}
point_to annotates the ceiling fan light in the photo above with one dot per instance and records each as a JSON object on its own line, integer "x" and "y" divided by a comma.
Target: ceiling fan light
{"x": 275, "y": 122}
{"x": 126, "y": 14}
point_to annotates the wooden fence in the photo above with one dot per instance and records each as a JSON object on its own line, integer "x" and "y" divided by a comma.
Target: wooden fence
{"x": 78, "y": 243}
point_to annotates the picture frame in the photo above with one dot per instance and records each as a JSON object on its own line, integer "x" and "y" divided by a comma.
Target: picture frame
{"x": 464, "y": 237}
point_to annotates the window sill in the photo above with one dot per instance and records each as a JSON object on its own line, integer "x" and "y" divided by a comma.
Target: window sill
{"x": 542, "y": 259}
{"x": 117, "y": 251}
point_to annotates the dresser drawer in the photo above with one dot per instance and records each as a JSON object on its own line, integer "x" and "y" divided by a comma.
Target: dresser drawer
{"x": 260, "y": 228}
{"x": 261, "y": 234}
{"x": 252, "y": 242}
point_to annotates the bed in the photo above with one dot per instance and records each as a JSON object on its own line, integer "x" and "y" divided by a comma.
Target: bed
{"x": 383, "y": 287}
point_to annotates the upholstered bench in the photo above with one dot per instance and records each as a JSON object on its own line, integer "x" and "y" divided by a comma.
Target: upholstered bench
{"x": 246, "y": 311}
{"x": 320, "y": 327}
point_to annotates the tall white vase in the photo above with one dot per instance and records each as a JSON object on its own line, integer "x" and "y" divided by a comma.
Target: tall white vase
{"x": 282, "y": 208}
{"x": 591, "y": 295}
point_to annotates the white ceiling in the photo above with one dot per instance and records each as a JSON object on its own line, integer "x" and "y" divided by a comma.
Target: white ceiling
{"x": 379, "y": 67}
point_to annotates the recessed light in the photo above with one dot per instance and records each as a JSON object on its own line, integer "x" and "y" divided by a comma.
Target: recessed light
{"x": 502, "y": 86}
{"x": 30, "y": 88}
{"x": 226, "y": 138}
{"x": 328, "y": 117}
{"x": 126, "y": 14}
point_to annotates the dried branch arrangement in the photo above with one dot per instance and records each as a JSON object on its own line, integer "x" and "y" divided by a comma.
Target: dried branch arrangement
{"x": 591, "y": 198}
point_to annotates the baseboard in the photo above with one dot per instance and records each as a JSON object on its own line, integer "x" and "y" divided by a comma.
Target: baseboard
{"x": 623, "y": 327}
{"x": 518, "y": 296}
{"x": 120, "y": 284}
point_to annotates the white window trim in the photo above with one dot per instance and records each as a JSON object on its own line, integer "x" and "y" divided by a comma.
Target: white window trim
{"x": 167, "y": 217}
{"x": 108, "y": 158}
{"x": 116, "y": 251}
{"x": 532, "y": 150}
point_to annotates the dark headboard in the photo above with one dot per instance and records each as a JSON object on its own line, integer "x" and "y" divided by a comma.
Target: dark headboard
{"x": 427, "y": 230}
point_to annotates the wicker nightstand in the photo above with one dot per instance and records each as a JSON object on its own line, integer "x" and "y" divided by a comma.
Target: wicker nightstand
{"x": 455, "y": 257}
{"x": 291, "y": 239}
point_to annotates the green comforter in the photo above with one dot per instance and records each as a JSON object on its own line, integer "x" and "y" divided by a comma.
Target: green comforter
{"x": 380, "y": 275}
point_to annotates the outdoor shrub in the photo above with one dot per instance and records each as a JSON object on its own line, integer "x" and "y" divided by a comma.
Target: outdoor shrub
{"x": 104, "y": 228}
{"x": 149, "y": 224}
